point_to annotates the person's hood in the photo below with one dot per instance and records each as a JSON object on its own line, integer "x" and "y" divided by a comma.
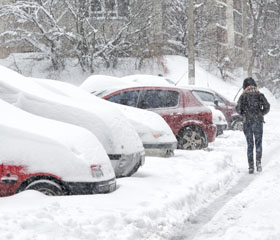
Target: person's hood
{"x": 249, "y": 82}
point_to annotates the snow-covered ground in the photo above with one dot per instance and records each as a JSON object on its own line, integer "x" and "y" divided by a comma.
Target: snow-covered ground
{"x": 166, "y": 194}
{"x": 156, "y": 202}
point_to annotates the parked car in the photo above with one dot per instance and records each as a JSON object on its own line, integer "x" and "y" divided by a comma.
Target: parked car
{"x": 190, "y": 121}
{"x": 213, "y": 98}
{"x": 155, "y": 134}
{"x": 52, "y": 157}
{"x": 106, "y": 122}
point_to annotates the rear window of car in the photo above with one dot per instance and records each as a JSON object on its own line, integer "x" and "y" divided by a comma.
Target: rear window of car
{"x": 220, "y": 100}
{"x": 205, "y": 96}
{"x": 159, "y": 99}
{"x": 129, "y": 98}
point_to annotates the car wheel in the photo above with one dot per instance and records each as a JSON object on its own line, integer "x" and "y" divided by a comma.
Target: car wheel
{"x": 191, "y": 138}
{"x": 46, "y": 187}
{"x": 237, "y": 125}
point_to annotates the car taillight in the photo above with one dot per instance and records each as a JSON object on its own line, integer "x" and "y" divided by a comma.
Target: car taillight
{"x": 96, "y": 171}
{"x": 156, "y": 135}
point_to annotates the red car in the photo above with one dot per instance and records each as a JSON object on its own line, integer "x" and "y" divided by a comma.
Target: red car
{"x": 49, "y": 156}
{"x": 15, "y": 179}
{"x": 190, "y": 121}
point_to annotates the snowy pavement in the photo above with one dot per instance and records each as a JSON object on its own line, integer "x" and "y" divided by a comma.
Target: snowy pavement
{"x": 254, "y": 213}
{"x": 164, "y": 197}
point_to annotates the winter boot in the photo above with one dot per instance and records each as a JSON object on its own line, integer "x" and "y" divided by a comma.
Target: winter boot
{"x": 251, "y": 170}
{"x": 251, "y": 166}
{"x": 258, "y": 161}
{"x": 259, "y": 166}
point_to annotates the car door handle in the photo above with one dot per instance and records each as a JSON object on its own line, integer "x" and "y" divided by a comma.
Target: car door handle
{"x": 176, "y": 114}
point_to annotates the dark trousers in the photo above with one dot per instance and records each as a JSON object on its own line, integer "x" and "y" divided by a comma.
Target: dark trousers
{"x": 253, "y": 130}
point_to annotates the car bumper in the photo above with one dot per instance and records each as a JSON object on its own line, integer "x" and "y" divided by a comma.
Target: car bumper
{"x": 211, "y": 130}
{"x": 81, "y": 188}
{"x": 126, "y": 165}
{"x": 160, "y": 150}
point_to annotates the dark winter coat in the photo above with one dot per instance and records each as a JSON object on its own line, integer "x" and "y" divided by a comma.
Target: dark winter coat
{"x": 252, "y": 104}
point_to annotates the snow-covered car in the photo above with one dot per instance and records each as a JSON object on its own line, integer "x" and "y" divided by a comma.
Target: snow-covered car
{"x": 212, "y": 98}
{"x": 156, "y": 135}
{"x": 106, "y": 122}
{"x": 49, "y": 156}
{"x": 219, "y": 120}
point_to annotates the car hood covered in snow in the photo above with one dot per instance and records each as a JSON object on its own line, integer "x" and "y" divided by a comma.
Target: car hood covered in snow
{"x": 106, "y": 122}
{"x": 44, "y": 145}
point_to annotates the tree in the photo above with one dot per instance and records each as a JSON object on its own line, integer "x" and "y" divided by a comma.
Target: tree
{"x": 37, "y": 24}
{"x": 86, "y": 30}
{"x": 207, "y": 16}
{"x": 191, "y": 50}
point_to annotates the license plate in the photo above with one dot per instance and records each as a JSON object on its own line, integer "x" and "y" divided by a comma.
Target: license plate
{"x": 112, "y": 187}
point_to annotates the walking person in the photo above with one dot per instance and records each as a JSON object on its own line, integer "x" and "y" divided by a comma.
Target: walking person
{"x": 252, "y": 106}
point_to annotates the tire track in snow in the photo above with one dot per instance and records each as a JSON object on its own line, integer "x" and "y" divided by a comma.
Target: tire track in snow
{"x": 193, "y": 224}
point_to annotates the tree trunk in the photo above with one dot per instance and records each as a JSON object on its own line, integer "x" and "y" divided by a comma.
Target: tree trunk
{"x": 191, "y": 44}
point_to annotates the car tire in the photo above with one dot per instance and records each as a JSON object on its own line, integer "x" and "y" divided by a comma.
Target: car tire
{"x": 46, "y": 187}
{"x": 191, "y": 138}
{"x": 237, "y": 125}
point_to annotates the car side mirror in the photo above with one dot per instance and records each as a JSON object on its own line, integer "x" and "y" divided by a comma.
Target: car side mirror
{"x": 216, "y": 102}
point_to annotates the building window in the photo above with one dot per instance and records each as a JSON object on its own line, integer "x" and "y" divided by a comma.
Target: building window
{"x": 109, "y": 8}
